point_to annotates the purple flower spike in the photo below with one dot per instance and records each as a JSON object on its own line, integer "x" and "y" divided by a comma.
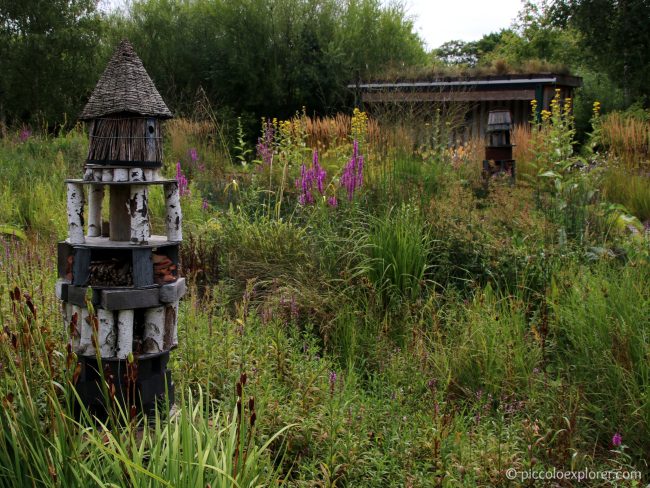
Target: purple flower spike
{"x": 308, "y": 178}
{"x": 194, "y": 155}
{"x": 204, "y": 205}
{"x": 332, "y": 202}
{"x": 183, "y": 184}
{"x": 332, "y": 379}
{"x": 617, "y": 440}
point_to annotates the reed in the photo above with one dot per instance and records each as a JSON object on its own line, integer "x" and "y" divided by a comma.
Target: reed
{"x": 628, "y": 139}
{"x": 132, "y": 144}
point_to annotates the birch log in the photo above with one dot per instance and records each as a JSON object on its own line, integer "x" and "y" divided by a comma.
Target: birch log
{"x": 75, "y": 213}
{"x": 89, "y": 174}
{"x": 171, "y": 326}
{"x": 156, "y": 175}
{"x": 124, "y": 333}
{"x": 86, "y": 335}
{"x": 95, "y": 200}
{"x": 154, "y": 330}
{"x": 107, "y": 175}
{"x": 136, "y": 175}
{"x": 139, "y": 211}
{"x": 148, "y": 175}
{"x": 173, "y": 215}
{"x": 106, "y": 334}
{"x": 121, "y": 174}
{"x": 97, "y": 175}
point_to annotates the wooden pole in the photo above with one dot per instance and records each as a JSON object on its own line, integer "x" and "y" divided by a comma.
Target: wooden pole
{"x": 139, "y": 210}
{"x": 75, "y": 213}
{"x": 154, "y": 330}
{"x": 124, "y": 333}
{"x": 173, "y": 214}
{"x": 121, "y": 174}
{"x": 106, "y": 334}
{"x": 171, "y": 326}
{"x": 95, "y": 201}
{"x": 120, "y": 219}
{"x": 86, "y": 337}
{"x": 136, "y": 175}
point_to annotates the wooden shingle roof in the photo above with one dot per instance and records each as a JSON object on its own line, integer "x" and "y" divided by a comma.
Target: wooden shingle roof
{"x": 125, "y": 86}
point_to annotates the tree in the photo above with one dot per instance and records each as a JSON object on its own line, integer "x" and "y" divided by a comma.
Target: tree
{"x": 49, "y": 58}
{"x": 615, "y": 33}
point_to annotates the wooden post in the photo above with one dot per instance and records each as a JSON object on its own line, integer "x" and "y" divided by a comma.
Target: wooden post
{"x": 173, "y": 214}
{"x": 86, "y": 336}
{"x": 136, "y": 175}
{"x": 139, "y": 211}
{"x": 95, "y": 200}
{"x": 106, "y": 333}
{"x": 121, "y": 174}
{"x": 154, "y": 330}
{"x": 124, "y": 333}
{"x": 171, "y": 326}
{"x": 119, "y": 220}
{"x": 76, "y": 213}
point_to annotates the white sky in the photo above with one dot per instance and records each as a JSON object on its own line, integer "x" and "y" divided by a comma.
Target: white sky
{"x": 439, "y": 21}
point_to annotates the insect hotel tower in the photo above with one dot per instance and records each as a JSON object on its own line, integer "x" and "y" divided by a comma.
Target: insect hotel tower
{"x": 129, "y": 274}
{"x": 498, "y": 152}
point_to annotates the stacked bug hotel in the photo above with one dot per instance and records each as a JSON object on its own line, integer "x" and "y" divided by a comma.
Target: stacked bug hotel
{"x": 133, "y": 275}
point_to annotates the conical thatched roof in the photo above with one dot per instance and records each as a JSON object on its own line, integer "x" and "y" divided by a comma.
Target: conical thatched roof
{"x": 125, "y": 86}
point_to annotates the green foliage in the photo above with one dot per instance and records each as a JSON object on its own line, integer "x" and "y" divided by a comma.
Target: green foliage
{"x": 50, "y": 53}
{"x": 601, "y": 331}
{"x": 615, "y": 36}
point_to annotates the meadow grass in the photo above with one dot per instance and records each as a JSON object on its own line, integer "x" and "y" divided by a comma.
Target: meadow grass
{"x": 426, "y": 330}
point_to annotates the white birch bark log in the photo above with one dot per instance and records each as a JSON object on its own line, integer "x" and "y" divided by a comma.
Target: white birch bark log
{"x": 156, "y": 175}
{"x": 154, "y": 330}
{"x": 107, "y": 175}
{"x": 95, "y": 201}
{"x": 121, "y": 174}
{"x": 136, "y": 175}
{"x": 75, "y": 213}
{"x": 139, "y": 211}
{"x": 148, "y": 175}
{"x": 86, "y": 331}
{"x": 124, "y": 333}
{"x": 173, "y": 214}
{"x": 97, "y": 175}
{"x": 89, "y": 174}
{"x": 106, "y": 333}
{"x": 171, "y": 326}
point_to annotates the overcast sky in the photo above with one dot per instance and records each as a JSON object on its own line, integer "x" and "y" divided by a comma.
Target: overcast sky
{"x": 438, "y": 21}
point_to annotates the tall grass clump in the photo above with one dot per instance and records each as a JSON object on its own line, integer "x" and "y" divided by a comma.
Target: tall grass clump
{"x": 47, "y": 438}
{"x": 627, "y": 138}
{"x": 601, "y": 339}
{"x": 398, "y": 246}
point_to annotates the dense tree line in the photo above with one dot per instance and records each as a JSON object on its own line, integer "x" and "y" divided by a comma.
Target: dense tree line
{"x": 271, "y": 57}
{"x": 251, "y": 57}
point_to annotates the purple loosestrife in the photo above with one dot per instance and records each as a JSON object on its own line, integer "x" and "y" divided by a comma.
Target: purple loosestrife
{"x": 265, "y": 143}
{"x": 204, "y": 205}
{"x": 194, "y": 155}
{"x": 617, "y": 440}
{"x": 332, "y": 379}
{"x": 308, "y": 178}
{"x": 352, "y": 177}
{"x": 332, "y": 202}
{"x": 25, "y": 134}
{"x": 183, "y": 184}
